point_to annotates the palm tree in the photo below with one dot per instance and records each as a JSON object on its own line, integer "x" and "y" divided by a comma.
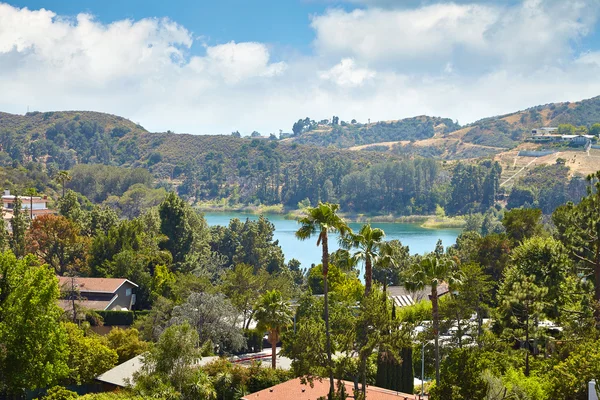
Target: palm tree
{"x": 368, "y": 241}
{"x": 322, "y": 220}
{"x": 432, "y": 271}
{"x": 63, "y": 177}
{"x": 273, "y": 315}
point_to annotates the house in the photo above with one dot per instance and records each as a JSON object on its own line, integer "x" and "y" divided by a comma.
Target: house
{"x": 122, "y": 375}
{"x": 98, "y": 294}
{"x": 32, "y": 205}
{"x": 404, "y": 298}
{"x": 294, "y": 389}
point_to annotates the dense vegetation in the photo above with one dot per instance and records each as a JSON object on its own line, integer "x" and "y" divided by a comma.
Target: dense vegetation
{"x": 518, "y": 316}
{"x": 355, "y": 134}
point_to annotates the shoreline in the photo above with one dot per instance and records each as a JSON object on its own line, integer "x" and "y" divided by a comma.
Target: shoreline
{"x": 424, "y": 221}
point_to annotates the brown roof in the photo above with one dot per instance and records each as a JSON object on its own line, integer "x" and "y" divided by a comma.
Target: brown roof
{"x": 294, "y": 389}
{"x": 96, "y": 305}
{"x": 95, "y": 285}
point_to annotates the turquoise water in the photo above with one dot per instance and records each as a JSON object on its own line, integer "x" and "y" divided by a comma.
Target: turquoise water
{"x": 419, "y": 240}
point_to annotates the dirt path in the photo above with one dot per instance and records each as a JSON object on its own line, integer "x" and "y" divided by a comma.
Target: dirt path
{"x": 518, "y": 172}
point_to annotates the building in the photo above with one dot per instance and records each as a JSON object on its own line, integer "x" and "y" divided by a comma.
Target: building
{"x": 98, "y": 294}
{"x": 122, "y": 375}
{"x": 294, "y": 389}
{"x": 32, "y": 205}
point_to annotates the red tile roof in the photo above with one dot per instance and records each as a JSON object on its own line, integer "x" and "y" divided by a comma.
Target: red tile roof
{"x": 294, "y": 389}
{"x": 94, "y": 285}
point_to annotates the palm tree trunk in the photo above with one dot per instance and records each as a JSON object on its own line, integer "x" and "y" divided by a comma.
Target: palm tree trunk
{"x": 368, "y": 275}
{"x": 273, "y": 352}
{"x": 325, "y": 261}
{"x": 436, "y": 333}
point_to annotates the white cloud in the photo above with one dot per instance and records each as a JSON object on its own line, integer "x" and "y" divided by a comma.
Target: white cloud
{"x": 346, "y": 74}
{"x": 464, "y": 61}
{"x": 533, "y": 32}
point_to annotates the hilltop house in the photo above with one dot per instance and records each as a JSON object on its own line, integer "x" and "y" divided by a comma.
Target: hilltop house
{"x": 98, "y": 294}
{"x": 550, "y": 135}
{"x": 32, "y": 205}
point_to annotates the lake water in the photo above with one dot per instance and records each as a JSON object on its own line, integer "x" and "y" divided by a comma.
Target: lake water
{"x": 419, "y": 240}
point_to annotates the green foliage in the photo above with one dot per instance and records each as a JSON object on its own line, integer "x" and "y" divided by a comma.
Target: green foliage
{"x": 521, "y": 224}
{"x": 273, "y": 314}
{"x": 569, "y": 377}
{"x": 358, "y": 134}
{"x": 89, "y": 356}
{"x": 117, "y": 318}
{"x": 60, "y": 393}
{"x": 19, "y": 223}
{"x": 34, "y": 351}
{"x": 98, "y": 182}
{"x": 126, "y": 342}
{"x": 248, "y": 242}
{"x": 474, "y": 187}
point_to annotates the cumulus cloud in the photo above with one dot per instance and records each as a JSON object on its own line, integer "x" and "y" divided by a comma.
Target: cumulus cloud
{"x": 347, "y": 74}
{"x": 464, "y": 61}
{"x": 534, "y": 31}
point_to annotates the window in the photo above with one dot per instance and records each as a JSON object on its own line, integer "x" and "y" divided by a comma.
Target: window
{"x": 128, "y": 292}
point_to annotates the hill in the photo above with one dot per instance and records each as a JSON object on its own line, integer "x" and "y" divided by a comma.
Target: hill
{"x": 345, "y": 135}
{"x": 442, "y": 138}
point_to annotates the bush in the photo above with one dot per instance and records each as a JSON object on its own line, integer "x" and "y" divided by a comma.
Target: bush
{"x": 254, "y": 340}
{"x": 122, "y": 318}
{"x": 60, "y": 393}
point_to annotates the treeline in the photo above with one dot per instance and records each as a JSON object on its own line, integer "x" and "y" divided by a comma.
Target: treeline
{"x": 343, "y": 134}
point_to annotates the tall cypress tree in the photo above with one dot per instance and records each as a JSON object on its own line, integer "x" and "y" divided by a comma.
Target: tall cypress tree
{"x": 19, "y": 224}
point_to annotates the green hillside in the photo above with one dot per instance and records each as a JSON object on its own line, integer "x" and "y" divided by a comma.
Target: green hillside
{"x": 344, "y": 135}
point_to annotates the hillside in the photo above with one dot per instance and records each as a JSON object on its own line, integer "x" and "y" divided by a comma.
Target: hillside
{"x": 442, "y": 138}
{"x": 345, "y": 135}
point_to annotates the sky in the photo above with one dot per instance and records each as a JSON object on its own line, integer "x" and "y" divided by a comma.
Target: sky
{"x": 213, "y": 67}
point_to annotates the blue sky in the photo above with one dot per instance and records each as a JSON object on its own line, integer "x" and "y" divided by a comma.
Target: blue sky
{"x": 217, "y": 66}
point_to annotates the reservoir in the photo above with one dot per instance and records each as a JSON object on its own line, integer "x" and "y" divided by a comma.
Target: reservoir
{"x": 419, "y": 240}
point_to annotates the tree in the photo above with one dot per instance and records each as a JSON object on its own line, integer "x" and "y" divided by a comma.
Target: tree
{"x": 70, "y": 207}
{"x": 579, "y": 229}
{"x": 19, "y": 224}
{"x": 63, "y": 177}
{"x": 126, "y": 342}
{"x": 470, "y": 296}
{"x": 34, "y": 350}
{"x": 56, "y": 241}
{"x": 175, "y": 226}
{"x": 522, "y": 223}
{"x": 595, "y": 129}
{"x": 242, "y": 286}
{"x": 214, "y": 318}
{"x": 566, "y": 129}
{"x": 368, "y": 242}
{"x": 273, "y": 315}
{"x": 393, "y": 258}
{"x": 170, "y": 359}
{"x": 186, "y": 232}
{"x": 322, "y": 220}
{"x": 547, "y": 261}
{"x": 88, "y": 355}
{"x": 521, "y": 308}
{"x": 432, "y": 271}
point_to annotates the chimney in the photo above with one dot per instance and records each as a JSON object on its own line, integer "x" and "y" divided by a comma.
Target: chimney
{"x": 6, "y": 192}
{"x": 592, "y": 393}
